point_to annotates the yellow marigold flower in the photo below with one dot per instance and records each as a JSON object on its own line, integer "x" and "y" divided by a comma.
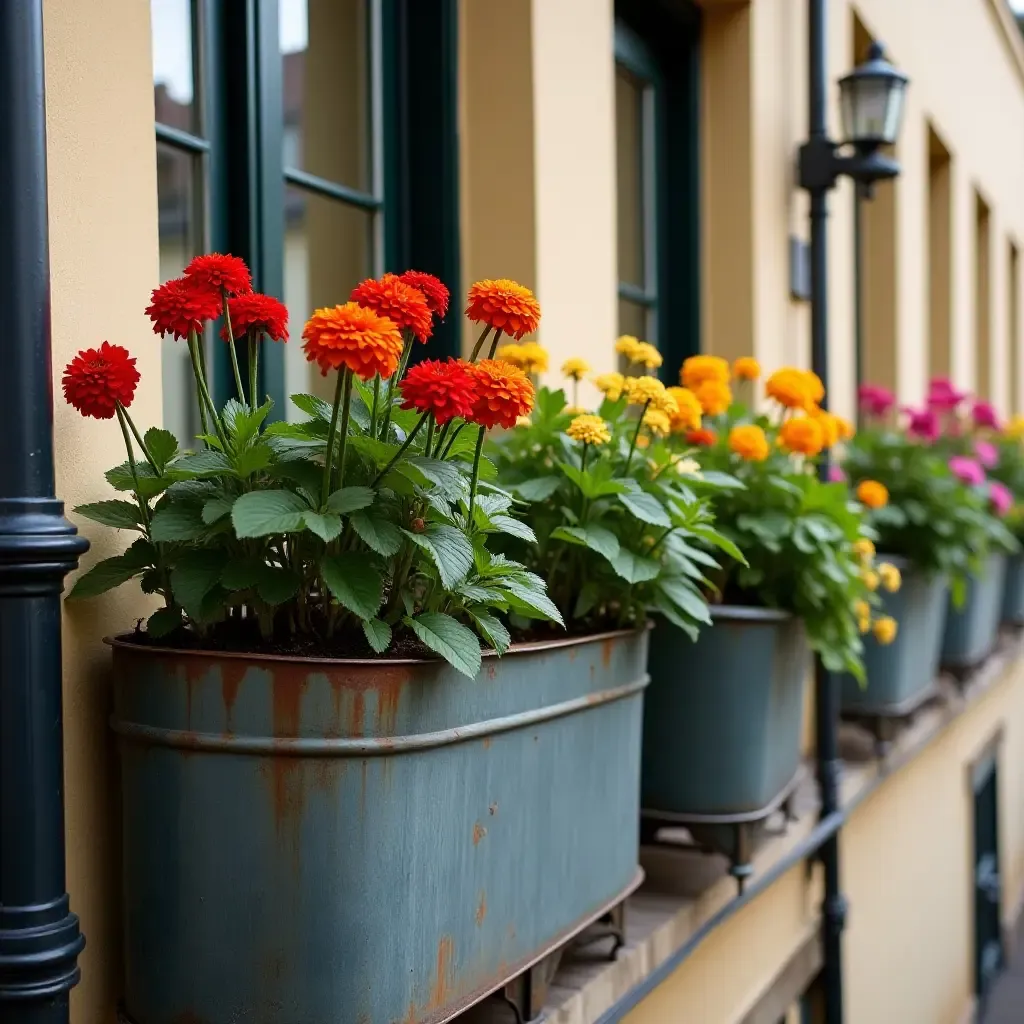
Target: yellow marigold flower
{"x": 795, "y": 388}
{"x": 611, "y": 384}
{"x": 657, "y": 422}
{"x": 513, "y": 354}
{"x": 1015, "y": 427}
{"x": 885, "y": 629}
{"x": 644, "y": 390}
{"x": 575, "y": 410}
{"x": 715, "y": 396}
{"x": 645, "y": 353}
{"x": 589, "y": 429}
{"x": 575, "y": 368}
{"x": 523, "y": 421}
{"x": 749, "y": 442}
{"x": 746, "y": 368}
{"x": 688, "y": 410}
{"x": 863, "y": 612}
{"x": 803, "y": 435}
{"x": 890, "y": 577}
{"x": 872, "y": 493}
{"x": 870, "y": 579}
{"x": 535, "y": 357}
{"x": 626, "y": 346}
{"x": 846, "y": 428}
{"x": 829, "y": 425}
{"x": 864, "y": 549}
{"x": 698, "y": 369}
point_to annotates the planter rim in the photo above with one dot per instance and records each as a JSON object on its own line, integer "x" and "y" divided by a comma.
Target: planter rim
{"x": 748, "y": 613}
{"x": 122, "y": 641}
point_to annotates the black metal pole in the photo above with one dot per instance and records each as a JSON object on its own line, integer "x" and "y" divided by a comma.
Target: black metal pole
{"x": 827, "y": 683}
{"x": 858, "y": 288}
{"x": 39, "y": 936}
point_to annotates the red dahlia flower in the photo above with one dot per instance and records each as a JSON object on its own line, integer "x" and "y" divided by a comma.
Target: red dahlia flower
{"x": 447, "y": 389}
{"x": 97, "y": 379}
{"x": 219, "y": 272}
{"x": 177, "y": 307}
{"x": 261, "y": 314}
{"x": 433, "y": 290}
{"x": 402, "y": 304}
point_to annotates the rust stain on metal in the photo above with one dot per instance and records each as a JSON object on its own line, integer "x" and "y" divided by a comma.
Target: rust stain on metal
{"x": 607, "y": 646}
{"x": 231, "y": 675}
{"x": 492, "y": 809}
{"x": 481, "y": 909}
{"x": 288, "y": 690}
{"x": 362, "y": 787}
{"x": 492, "y": 671}
{"x": 357, "y": 714}
{"x": 442, "y": 981}
{"x": 487, "y": 743}
{"x": 478, "y": 833}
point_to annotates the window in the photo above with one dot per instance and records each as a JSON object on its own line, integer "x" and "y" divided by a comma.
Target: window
{"x": 938, "y": 252}
{"x": 1013, "y": 326}
{"x": 982, "y": 299}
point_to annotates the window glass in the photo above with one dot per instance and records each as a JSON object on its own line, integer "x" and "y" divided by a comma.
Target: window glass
{"x": 173, "y": 64}
{"x": 629, "y": 152}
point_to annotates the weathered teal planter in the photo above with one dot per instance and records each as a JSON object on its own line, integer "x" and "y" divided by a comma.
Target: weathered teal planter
{"x": 722, "y": 716}
{"x": 898, "y": 674}
{"x": 364, "y": 842}
{"x": 971, "y": 630}
{"x": 1013, "y": 591}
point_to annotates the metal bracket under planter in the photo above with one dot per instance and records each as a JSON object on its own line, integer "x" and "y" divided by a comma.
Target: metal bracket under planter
{"x": 884, "y": 721}
{"x": 732, "y": 835}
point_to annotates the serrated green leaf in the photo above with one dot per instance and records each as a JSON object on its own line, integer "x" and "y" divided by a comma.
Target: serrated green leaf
{"x": 204, "y": 464}
{"x": 149, "y": 484}
{"x": 312, "y": 406}
{"x": 325, "y": 526}
{"x": 260, "y": 513}
{"x": 448, "y": 478}
{"x": 634, "y": 568}
{"x": 492, "y": 629}
{"x": 350, "y": 499}
{"x": 244, "y": 423}
{"x": 450, "y": 549}
{"x": 177, "y": 522}
{"x": 597, "y": 538}
{"x": 122, "y": 515}
{"x": 104, "y": 576}
{"x": 252, "y": 460}
{"x": 646, "y": 508}
{"x": 192, "y": 490}
{"x": 162, "y": 445}
{"x": 514, "y": 528}
{"x": 537, "y": 489}
{"x": 355, "y": 582}
{"x": 456, "y": 643}
{"x": 531, "y": 600}
{"x": 163, "y": 622}
{"x": 377, "y": 533}
{"x": 685, "y": 596}
{"x": 194, "y": 575}
{"x": 216, "y": 508}
{"x": 275, "y": 585}
{"x": 378, "y": 634}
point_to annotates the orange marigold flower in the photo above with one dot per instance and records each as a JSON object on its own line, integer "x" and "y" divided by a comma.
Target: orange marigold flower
{"x": 179, "y": 306}
{"x": 846, "y": 428}
{"x": 715, "y": 396}
{"x": 829, "y": 425}
{"x": 688, "y": 410}
{"x": 815, "y": 388}
{"x": 504, "y": 305}
{"x": 803, "y": 435}
{"x": 698, "y": 369}
{"x": 792, "y": 388}
{"x": 354, "y": 337}
{"x": 403, "y": 305}
{"x": 503, "y": 393}
{"x": 748, "y": 441}
{"x": 260, "y": 314}
{"x": 219, "y": 272}
{"x": 746, "y": 368}
{"x": 433, "y": 289}
{"x": 448, "y": 389}
{"x": 701, "y": 437}
{"x": 97, "y": 379}
{"x": 872, "y": 493}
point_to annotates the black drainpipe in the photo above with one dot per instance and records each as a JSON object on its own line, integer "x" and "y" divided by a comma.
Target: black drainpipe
{"x": 827, "y": 703}
{"x": 39, "y": 936}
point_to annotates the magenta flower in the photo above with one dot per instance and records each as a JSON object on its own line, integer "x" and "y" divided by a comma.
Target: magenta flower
{"x": 923, "y": 424}
{"x": 1000, "y": 496}
{"x": 874, "y": 400}
{"x": 987, "y": 453}
{"x": 967, "y": 469}
{"x": 836, "y": 474}
{"x": 942, "y": 396}
{"x": 985, "y": 415}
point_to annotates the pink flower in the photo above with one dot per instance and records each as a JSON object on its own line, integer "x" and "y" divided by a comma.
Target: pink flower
{"x": 967, "y": 469}
{"x": 985, "y": 415}
{"x": 874, "y": 400}
{"x": 942, "y": 396}
{"x": 924, "y": 425}
{"x": 987, "y": 453}
{"x": 836, "y": 474}
{"x": 1000, "y": 496}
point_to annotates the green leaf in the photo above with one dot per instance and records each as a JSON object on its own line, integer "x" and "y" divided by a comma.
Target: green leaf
{"x": 456, "y": 643}
{"x": 216, "y": 508}
{"x": 597, "y": 538}
{"x": 304, "y": 472}
{"x": 378, "y": 634}
{"x": 252, "y": 460}
{"x": 377, "y": 533}
{"x": 204, "y": 464}
{"x": 349, "y": 499}
{"x": 481, "y": 595}
{"x": 711, "y": 536}
{"x": 492, "y": 629}
{"x": 355, "y": 582}
{"x": 163, "y": 622}
{"x": 241, "y": 573}
{"x": 669, "y": 610}
{"x": 326, "y": 527}
{"x": 537, "y": 489}
{"x": 104, "y": 576}
{"x": 123, "y": 515}
{"x": 194, "y": 575}
{"x": 177, "y": 522}
{"x": 381, "y": 452}
{"x": 121, "y": 479}
{"x": 596, "y": 483}
{"x": 685, "y": 596}
{"x": 514, "y": 528}
{"x": 634, "y": 568}
{"x": 312, "y": 406}
{"x": 586, "y": 600}
{"x": 275, "y": 585}
{"x": 161, "y": 444}
{"x": 260, "y": 513}
{"x": 193, "y": 490}
{"x": 444, "y": 475}
{"x": 243, "y": 423}
{"x": 531, "y": 599}
{"x": 450, "y": 550}
{"x": 646, "y": 508}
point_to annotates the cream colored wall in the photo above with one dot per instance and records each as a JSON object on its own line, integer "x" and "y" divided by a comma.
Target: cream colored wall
{"x": 103, "y": 258}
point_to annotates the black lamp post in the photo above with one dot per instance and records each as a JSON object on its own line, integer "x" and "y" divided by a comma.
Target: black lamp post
{"x": 872, "y": 105}
{"x": 39, "y": 936}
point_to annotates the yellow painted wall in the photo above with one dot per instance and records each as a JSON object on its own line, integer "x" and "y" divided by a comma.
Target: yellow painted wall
{"x": 103, "y": 258}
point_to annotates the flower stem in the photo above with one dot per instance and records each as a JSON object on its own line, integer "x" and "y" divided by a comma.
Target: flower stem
{"x": 494, "y": 343}
{"x": 480, "y": 343}
{"x": 143, "y": 510}
{"x": 346, "y": 408}
{"x": 636, "y": 434}
{"x": 430, "y": 435}
{"x": 476, "y": 474}
{"x": 195, "y": 352}
{"x": 339, "y": 390}
{"x": 405, "y": 444}
{"x": 254, "y": 363}
{"x": 138, "y": 437}
{"x": 376, "y": 402}
{"x": 451, "y": 441}
{"x": 231, "y": 348}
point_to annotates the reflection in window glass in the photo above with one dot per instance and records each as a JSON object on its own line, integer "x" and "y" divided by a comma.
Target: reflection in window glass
{"x": 632, "y": 319}
{"x": 328, "y": 249}
{"x": 173, "y": 66}
{"x": 326, "y": 74}
{"x": 629, "y": 168}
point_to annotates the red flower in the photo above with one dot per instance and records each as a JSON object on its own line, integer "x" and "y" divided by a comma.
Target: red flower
{"x": 433, "y": 290}
{"x": 702, "y": 437}
{"x": 504, "y": 393}
{"x": 97, "y": 379}
{"x": 177, "y": 307}
{"x": 261, "y": 314}
{"x": 400, "y": 303}
{"x": 504, "y": 305}
{"x": 218, "y": 272}
{"x": 448, "y": 389}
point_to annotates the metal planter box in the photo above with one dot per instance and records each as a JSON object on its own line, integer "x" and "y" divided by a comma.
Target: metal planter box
{"x": 972, "y": 629}
{"x": 1013, "y": 591}
{"x": 362, "y": 842}
{"x": 722, "y": 716}
{"x": 900, "y": 672}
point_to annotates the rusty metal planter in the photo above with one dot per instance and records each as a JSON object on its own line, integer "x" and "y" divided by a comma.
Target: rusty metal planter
{"x": 972, "y": 630}
{"x": 361, "y": 842}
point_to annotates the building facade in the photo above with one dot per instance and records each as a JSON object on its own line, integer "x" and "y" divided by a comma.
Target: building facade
{"x": 635, "y": 164}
